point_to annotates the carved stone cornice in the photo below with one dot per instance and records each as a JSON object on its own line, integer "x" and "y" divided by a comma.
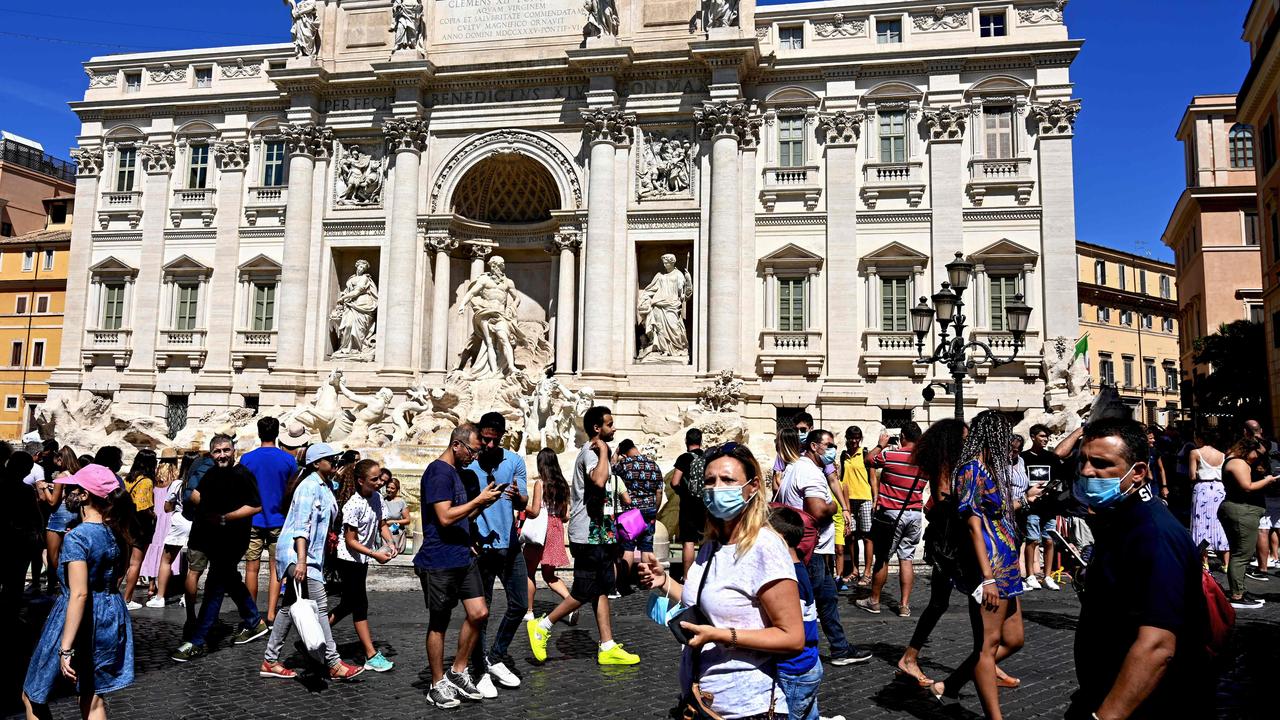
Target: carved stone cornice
{"x": 570, "y": 240}
{"x": 88, "y": 161}
{"x": 156, "y": 157}
{"x": 842, "y": 127}
{"x": 726, "y": 118}
{"x": 406, "y": 134}
{"x": 168, "y": 73}
{"x": 440, "y": 242}
{"x": 309, "y": 139}
{"x": 608, "y": 124}
{"x": 945, "y": 124}
{"x": 233, "y": 155}
{"x": 1057, "y": 118}
{"x": 841, "y": 26}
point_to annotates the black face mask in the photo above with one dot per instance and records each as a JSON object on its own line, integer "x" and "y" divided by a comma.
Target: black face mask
{"x": 491, "y": 457}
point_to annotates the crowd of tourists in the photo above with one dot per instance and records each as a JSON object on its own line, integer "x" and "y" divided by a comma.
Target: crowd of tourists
{"x": 1128, "y": 515}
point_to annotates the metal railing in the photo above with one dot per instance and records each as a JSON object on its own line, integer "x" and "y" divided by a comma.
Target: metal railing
{"x": 38, "y": 160}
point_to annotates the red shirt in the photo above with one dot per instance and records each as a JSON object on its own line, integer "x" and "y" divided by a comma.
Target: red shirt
{"x": 900, "y": 483}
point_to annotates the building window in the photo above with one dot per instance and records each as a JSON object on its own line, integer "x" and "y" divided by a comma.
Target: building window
{"x": 1099, "y": 272}
{"x": 198, "y": 175}
{"x": 1106, "y": 369}
{"x": 42, "y": 304}
{"x": 1122, "y": 277}
{"x": 1126, "y": 318}
{"x": 133, "y": 82}
{"x": 893, "y": 303}
{"x": 1166, "y": 287}
{"x": 188, "y": 305}
{"x": 1128, "y": 371}
{"x": 1241, "y": 146}
{"x": 273, "y": 163}
{"x": 204, "y": 77}
{"x": 1255, "y": 313}
{"x": 1142, "y": 281}
{"x": 1189, "y": 160}
{"x": 1251, "y": 228}
{"x": 126, "y": 168}
{"x": 1149, "y": 374}
{"x": 997, "y": 125}
{"x": 893, "y": 136}
{"x": 992, "y": 24}
{"x": 15, "y": 354}
{"x": 1166, "y": 324}
{"x": 1268, "y": 145}
{"x": 791, "y": 141}
{"x": 37, "y": 353}
{"x": 791, "y": 304}
{"x": 28, "y": 260}
{"x": 175, "y": 414}
{"x": 48, "y": 260}
{"x": 791, "y": 37}
{"x": 1147, "y": 322}
{"x": 1003, "y": 288}
{"x": 6, "y": 229}
{"x": 10, "y": 402}
{"x": 1170, "y": 377}
{"x": 264, "y": 306}
{"x": 20, "y": 305}
{"x": 888, "y": 31}
{"x": 57, "y": 213}
{"x": 1104, "y": 314}
{"x": 112, "y": 305}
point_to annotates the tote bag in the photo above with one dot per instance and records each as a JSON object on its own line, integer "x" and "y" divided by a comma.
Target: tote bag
{"x": 306, "y": 617}
{"x": 534, "y": 529}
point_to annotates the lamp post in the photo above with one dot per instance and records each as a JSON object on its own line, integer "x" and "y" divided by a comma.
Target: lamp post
{"x": 955, "y": 352}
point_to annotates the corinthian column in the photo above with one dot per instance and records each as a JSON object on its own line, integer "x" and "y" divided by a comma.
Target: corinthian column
{"x": 157, "y": 163}
{"x": 726, "y": 124}
{"x": 407, "y": 137}
{"x": 440, "y": 244}
{"x": 231, "y": 158}
{"x": 607, "y": 128}
{"x": 306, "y": 143}
{"x": 565, "y": 244}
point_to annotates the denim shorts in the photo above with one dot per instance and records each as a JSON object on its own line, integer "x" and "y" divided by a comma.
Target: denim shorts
{"x": 644, "y": 543}
{"x": 1038, "y": 527}
{"x": 60, "y": 518}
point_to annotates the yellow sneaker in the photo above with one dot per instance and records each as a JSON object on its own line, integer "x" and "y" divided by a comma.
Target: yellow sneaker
{"x": 537, "y": 639}
{"x": 616, "y": 656}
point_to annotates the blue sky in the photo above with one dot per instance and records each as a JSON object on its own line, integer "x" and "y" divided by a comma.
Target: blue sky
{"x": 1138, "y": 70}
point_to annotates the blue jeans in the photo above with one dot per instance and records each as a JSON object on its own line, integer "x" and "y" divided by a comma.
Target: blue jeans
{"x": 509, "y": 565}
{"x": 224, "y": 579}
{"x": 801, "y": 692}
{"x": 828, "y": 602}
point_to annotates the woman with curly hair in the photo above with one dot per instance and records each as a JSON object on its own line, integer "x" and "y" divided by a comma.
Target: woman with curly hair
{"x": 984, "y": 501}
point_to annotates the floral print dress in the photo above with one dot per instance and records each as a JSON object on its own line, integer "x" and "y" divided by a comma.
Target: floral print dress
{"x": 978, "y": 494}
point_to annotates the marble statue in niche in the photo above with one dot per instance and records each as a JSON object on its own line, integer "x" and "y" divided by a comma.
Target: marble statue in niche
{"x": 661, "y": 310}
{"x": 354, "y": 316}
{"x": 602, "y": 19}
{"x": 665, "y": 166}
{"x": 361, "y": 176}
{"x": 720, "y": 14}
{"x": 406, "y": 19}
{"x": 495, "y": 325}
{"x": 306, "y": 27}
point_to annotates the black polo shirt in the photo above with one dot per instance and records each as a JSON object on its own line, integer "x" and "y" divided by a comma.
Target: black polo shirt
{"x": 1145, "y": 570}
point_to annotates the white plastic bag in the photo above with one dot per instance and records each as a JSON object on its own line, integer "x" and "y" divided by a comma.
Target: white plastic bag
{"x": 306, "y": 617}
{"x": 534, "y": 529}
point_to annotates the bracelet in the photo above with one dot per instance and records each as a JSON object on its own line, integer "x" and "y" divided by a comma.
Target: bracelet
{"x": 67, "y": 653}
{"x": 666, "y": 584}
{"x": 989, "y": 581}
{"x": 733, "y": 637}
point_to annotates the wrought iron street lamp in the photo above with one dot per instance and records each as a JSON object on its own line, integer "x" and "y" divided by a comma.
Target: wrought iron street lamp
{"x": 960, "y": 355}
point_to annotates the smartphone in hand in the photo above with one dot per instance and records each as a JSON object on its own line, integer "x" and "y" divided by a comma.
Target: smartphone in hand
{"x": 1070, "y": 552}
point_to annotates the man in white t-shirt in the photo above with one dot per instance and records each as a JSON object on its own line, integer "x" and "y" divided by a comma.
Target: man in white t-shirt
{"x": 804, "y": 487}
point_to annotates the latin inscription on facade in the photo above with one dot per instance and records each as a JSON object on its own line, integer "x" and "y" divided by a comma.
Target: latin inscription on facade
{"x": 482, "y": 20}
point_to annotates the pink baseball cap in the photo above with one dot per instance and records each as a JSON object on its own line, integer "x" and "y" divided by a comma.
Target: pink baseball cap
{"x": 95, "y": 479}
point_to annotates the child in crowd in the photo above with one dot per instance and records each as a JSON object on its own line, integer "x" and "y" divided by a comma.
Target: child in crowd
{"x": 361, "y": 528}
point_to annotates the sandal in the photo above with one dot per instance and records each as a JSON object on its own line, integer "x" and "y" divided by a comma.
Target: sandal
{"x": 920, "y": 680}
{"x": 1008, "y": 682}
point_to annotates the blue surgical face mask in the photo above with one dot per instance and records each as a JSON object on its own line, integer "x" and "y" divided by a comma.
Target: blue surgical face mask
{"x": 829, "y": 457}
{"x": 660, "y": 608}
{"x": 1101, "y": 493}
{"x": 724, "y": 503}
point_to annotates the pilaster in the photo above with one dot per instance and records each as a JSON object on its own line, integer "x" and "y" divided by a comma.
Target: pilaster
{"x": 306, "y": 142}
{"x": 840, "y": 133}
{"x": 157, "y": 159}
{"x": 231, "y": 159}
{"x": 1056, "y": 121}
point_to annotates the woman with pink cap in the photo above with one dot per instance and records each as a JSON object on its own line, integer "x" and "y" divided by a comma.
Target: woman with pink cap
{"x": 88, "y": 637}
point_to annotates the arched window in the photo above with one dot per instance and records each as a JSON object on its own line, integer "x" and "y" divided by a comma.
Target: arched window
{"x": 1240, "y": 140}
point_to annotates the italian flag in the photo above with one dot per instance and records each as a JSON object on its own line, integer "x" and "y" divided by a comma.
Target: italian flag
{"x": 1082, "y": 347}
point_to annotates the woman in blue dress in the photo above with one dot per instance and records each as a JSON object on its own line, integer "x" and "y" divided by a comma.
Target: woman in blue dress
{"x": 87, "y": 638}
{"x": 981, "y": 483}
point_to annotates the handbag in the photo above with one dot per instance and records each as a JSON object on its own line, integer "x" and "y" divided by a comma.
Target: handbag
{"x": 631, "y": 525}
{"x": 306, "y": 617}
{"x": 533, "y": 531}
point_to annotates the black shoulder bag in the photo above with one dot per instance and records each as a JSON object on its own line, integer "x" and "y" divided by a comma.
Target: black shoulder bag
{"x": 882, "y": 531}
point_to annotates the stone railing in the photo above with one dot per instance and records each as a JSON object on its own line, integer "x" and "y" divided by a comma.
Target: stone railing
{"x": 122, "y": 201}
{"x": 1009, "y": 174}
{"x": 182, "y": 338}
{"x": 254, "y": 346}
{"x": 803, "y": 182}
{"x": 109, "y": 338}
{"x": 266, "y": 200}
{"x": 194, "y": 198}
{"x": 778, "y": 346}
{"x": 112, "y": 346}
{"x": 902, "y": 178}
{"x": 1030, "y": 354}
{"x": 181, "y": 344}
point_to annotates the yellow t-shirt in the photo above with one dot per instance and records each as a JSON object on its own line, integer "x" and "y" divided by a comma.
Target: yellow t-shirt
{"x": 142, "y": 491}
{"x": 854, "y": 476}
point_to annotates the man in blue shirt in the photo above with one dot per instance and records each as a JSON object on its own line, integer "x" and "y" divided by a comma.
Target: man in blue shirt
{"x": 272, "y": 468}
{"x": 446, "y": 567}
{"x": 499, "y": 552}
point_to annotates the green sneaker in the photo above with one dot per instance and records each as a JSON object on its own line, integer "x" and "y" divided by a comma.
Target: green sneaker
{"x": 538, "y": 639}
{"x": 378, "y": 663}
{"x": 616, "y": 656}
{"x": 186, "y": 652}
{"x": 248, "y": 635}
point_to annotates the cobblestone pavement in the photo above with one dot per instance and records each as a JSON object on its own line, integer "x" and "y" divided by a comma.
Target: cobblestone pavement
{"x": 225, "y": 684}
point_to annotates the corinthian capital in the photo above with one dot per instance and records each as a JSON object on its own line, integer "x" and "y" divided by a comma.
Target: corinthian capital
{"x": 608, "y": 124}
{"x": 725, "y": 118}
{"x": 1057, "y": 118}
{"x": 88, "y": 161}
{"x": 406, "y": 133}
{"x": 842, "y": 127}
{"x": 440, "y": 242}
{"x": 231, "y": 155}
{"x": 569, "y": 240}
{"x": 945, "y": 124}
{"x": 308, "y": 139}
{"x": 156, "y": 157}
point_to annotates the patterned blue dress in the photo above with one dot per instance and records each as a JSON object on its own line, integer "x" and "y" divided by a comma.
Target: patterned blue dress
{"x": 978, "y": 494}
{"x": 104, "y": 644}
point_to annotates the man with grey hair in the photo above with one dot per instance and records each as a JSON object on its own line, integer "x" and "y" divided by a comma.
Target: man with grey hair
{"x": 446, "y": 567}
{"x": 224, "y": 506}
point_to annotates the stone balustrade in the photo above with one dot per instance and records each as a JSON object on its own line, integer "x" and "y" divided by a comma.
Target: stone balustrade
{"x": 803, "y": 182}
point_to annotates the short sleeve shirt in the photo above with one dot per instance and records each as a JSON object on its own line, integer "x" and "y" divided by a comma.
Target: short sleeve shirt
{"x": 801, "y": 480}
{"x": 901, "y": 486}
{"x": 643, "y": 479}
{"x": 1042, "y": 465}
{"x": 365, "y": 515}
{"x": 443, "y": 547}
{"x": 582, "y": 496}
{"x": 142, "y": 492}
{"x": 223, "y": 490}
{"x": 272, "y": 468}
{"x": 854, "y": 474}
{"x": 496, "y": 523}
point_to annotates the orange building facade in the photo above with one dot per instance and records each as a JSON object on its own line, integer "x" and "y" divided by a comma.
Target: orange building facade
{"x": 28, "y": 177}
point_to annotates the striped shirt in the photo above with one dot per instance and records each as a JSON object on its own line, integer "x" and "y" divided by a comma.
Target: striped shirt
{"x": 900, "y": 484}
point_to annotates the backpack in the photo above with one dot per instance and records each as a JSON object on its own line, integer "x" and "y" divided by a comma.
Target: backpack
{"x": 198, "y": 469}
{"x": 1221, "y": 616}
{"x": 697, "y": 475}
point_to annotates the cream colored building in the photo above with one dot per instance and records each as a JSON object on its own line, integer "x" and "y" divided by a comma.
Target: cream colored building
{"x": 1129, "y": 308}
{"x": 812, "y": 165}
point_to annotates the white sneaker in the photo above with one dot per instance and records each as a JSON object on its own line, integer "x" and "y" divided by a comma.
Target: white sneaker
{"x": 155, "y": 602}
{"x": 1273, "y": 563}
{"x": 503, "y": 675}
{"x": 1030, "y": 583}
{"x": 486, "y": 688}
{"x": 1049, "y": 583}
{"x": 131, "y": 606}
{"x": 528, "y": 617}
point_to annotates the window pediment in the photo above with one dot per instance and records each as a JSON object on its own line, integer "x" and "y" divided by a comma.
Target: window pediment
{"x": 894, "y": 257}
{"x": 793, "y": 96}
{"x": 893, "y": 91}
{"x": 791, "y": 258}
{"x": 1005, "y": 253}
{"x": 260, "y": 267}
{"x": 112, "y": 268}
{"x": 184, "y": 266}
